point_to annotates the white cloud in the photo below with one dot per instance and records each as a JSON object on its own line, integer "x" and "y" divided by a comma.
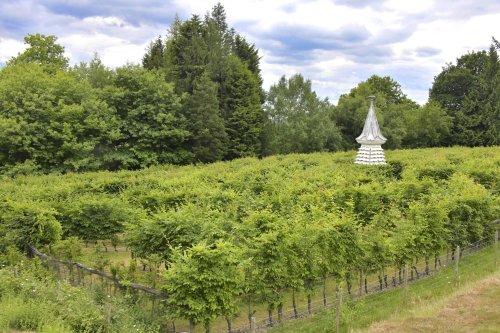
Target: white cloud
{"x": 335, "y": 43}
{"x": 408, "y": 7}
{"x": 10, "y": 48}
{"x": 113, "y": 51}
{"x": 105, "y": 21}
{"x": 120, "y": 54}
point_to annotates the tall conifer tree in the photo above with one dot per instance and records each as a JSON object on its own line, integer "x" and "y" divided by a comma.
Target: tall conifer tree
{"x": 208, "y": 135}
{"x": 244, "y": 115}
{"x": 154, "y": 57}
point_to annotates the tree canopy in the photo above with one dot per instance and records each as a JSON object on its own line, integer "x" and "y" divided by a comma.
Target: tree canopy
{"x": 42, "y": 50}
{"x": 298, "y": 120}
{"x": 198, "y": 98}
{"x": 469, "y": 92}
{"x": 404, "y": 123}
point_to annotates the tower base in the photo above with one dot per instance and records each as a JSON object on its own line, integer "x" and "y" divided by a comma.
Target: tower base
{"x": 370, "y": 155}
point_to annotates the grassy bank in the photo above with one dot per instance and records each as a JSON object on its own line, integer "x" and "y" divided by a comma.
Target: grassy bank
{"x": 472, "y": 308}
{"x": 358, "y": 315}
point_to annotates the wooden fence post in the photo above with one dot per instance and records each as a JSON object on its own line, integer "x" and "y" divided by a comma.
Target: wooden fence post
{"x": 108, "y": 313}
{"x": 339, "y": 304}
{"x": 457, "y": 259}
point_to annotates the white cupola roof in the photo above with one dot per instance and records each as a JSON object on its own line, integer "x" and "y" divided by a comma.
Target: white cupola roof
{"x": 371, "y": 131}
{"x": 371, "y": 140}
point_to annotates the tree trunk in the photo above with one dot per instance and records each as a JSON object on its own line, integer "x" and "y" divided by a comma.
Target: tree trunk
{"x": 294, "y": 303}
{"x": 207, "y": 327}
{"x": 416, "y": 272}
{"x": 250, "y": 317}
{"x": 324, "y": 291}
{"x": 270, "y": 313}
{"x": 309, "y": 309}
{"x": 380, "y": 286}
{"x": 191, "y": 326}
{"x": 250, "y": 312}
{"x": 385, "y": 282}
{"x": 426, "y": 266}
{"x": 366, "y": 285}
{"x": 229, "y": 325}
{"x": 280, "y": 313}
{"x": 360, "y": 292}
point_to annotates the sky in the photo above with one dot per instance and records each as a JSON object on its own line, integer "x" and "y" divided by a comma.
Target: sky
{"x": 334, "y": 43}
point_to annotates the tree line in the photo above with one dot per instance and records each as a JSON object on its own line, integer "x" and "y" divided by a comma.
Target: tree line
{"x": 198, "y": 97}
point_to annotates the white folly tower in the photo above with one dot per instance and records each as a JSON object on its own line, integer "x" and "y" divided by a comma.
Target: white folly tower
{"x": 371, "y": 140}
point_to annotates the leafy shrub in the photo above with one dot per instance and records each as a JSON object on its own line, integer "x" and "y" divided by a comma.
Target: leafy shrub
{"x": 489, "y": 179}
{"x": 69, "y": 249}
{"x": 437, "y": 173}
{"x": 92, "y": 217}
{"x": 31, "y": 300}
{"x": 25, "y": 316}
{"x": 394, "y": 170}
{"x": 28, "y": 167}
{"x": 28, "y": 223}
{"x": 11, "y": 257}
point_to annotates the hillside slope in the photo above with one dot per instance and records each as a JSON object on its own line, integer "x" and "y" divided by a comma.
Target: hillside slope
{"x": 474, "y": 308}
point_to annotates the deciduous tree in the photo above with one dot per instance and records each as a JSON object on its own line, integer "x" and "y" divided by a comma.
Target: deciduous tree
{"x": 42, "y": 50}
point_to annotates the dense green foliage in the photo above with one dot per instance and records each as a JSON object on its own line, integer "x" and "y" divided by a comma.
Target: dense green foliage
{"x": 203, "y": 283}
{"x": 197, "y": 52}
{"x": 300, "y": 122}
{"x": 33, "y": 300}
{"x": 44, "y": 51}
{"x": 469, "y": 91}
{"x": 198, "y": 97}
{"x": 280, "y": 223}
{"x": 404, "y": 123}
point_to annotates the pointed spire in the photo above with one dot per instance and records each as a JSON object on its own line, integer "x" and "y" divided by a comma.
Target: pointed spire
{"x": 371, "y": 131}
{"x": 371, "y": 139}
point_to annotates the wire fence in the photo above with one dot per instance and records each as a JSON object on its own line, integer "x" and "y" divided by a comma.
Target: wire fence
{"x": 258, "y": 318}
{"x": 417, "y": 271}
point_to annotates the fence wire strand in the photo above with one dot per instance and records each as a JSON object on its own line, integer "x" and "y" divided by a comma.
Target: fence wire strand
{"x": 436, "y": 264}
{"x": 391, "y": 279}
